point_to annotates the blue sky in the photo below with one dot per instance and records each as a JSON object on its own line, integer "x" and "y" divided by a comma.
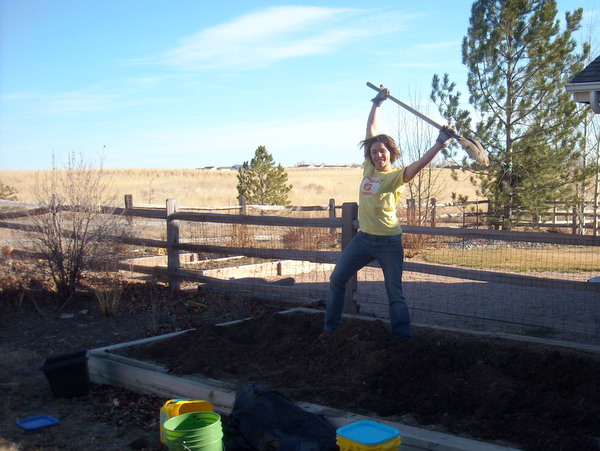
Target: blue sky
{"x": 191, "y": 83}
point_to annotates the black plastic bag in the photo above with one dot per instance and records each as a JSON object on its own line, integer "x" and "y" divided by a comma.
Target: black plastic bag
{"x": 266, "y": 420}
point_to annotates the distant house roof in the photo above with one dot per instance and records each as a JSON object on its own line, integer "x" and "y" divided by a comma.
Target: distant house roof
{"x": 590, "y": 74}
{"x": 585, "y": 86}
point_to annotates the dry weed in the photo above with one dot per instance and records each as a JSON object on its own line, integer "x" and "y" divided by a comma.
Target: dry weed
{"x": 309, "y": 238}
{"x": 241, "y": 236}
{"x": 108, "y": 294}
{"x": 414, "y": 244}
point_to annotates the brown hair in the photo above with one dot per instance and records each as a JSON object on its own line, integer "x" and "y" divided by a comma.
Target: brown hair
{"x": 387, "y": 141}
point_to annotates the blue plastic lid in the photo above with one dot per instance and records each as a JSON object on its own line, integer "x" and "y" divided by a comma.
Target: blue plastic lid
{"x": 39, "y": 422}
{"x": 368, "y": 432}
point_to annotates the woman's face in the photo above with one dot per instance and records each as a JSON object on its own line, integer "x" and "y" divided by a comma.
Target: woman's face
{"x": 380, "y": 157}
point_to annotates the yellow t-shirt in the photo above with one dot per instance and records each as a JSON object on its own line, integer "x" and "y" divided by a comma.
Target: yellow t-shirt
{"x": 379, "y": 194}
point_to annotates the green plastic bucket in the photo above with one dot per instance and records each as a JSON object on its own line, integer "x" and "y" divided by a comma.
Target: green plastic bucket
{"x": 203, "y": 437}
{"x": 194, "y": 431}
{"x": 205, "y": 445}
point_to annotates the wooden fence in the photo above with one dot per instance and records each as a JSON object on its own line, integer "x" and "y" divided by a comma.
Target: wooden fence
{"x": 473, "y": 214}
{"x": 476, "y": 214}
{"x": 345, "y": 226}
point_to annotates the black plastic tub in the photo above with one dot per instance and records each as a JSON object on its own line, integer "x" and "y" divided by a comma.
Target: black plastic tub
{"x": 68, "y": 374}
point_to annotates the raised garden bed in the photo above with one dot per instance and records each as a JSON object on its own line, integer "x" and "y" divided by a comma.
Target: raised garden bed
{"x": 501, "y": 391}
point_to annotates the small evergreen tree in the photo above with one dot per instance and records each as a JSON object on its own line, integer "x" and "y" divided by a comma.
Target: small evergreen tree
{"x": 7, "y": 192}
{"x": 260, "y": 182}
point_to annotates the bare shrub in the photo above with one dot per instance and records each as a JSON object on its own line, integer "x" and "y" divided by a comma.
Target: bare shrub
{"x": 427, "y": 184}
{"x": 74, "y": 234}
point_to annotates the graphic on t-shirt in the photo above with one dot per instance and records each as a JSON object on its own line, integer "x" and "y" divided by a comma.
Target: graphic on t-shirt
{"x": 369, "y": 186}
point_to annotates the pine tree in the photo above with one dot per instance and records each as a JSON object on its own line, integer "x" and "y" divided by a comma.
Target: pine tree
{"x": 260, "y": 182}
{"x": 518, "y": 62}
{"x": 7, "y": 192}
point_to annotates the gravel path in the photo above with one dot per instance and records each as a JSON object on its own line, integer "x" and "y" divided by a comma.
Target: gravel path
{"x": 557, "y": 314}
{"x": 542, "y": 312}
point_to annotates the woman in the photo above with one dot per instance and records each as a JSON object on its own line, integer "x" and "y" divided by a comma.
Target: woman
{"x": 380, "y": 235}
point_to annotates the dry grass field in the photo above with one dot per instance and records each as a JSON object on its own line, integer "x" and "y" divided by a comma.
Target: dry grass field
{"x": 217, "y": 188}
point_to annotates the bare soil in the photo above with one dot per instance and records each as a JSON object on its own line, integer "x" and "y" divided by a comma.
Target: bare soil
{"x": 33, "y": 327}
{"x": 530, "y": 396}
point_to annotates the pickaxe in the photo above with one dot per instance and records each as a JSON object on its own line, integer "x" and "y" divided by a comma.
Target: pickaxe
{"x": 473, "y": 148}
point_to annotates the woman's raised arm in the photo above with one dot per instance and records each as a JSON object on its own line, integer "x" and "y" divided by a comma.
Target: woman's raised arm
{"x": 373, "y": 119}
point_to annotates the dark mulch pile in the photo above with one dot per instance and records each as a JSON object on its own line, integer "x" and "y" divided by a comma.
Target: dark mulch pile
{"x": 537, "y": 397}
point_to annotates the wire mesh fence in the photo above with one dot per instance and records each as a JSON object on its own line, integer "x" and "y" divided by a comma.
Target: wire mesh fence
{"x": 543, "y": 303}
{"x": 512, "y": 283}
{"x": 536, "y": 284}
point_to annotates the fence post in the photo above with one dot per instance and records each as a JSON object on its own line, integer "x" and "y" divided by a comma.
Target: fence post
{"x": 128, "y": 208}
{"x": 433, "y": 211}
{"x": 581, "y": 220}
{"x": 596, "y": 222}
{"x": 128, "y": 201}
{"x": 55, "y": 202}
{"x": 332, "y": 208}
{"x": 172, "y": 240}
{"x": 349, "y": 215}
{"x": 333, "y": 230}
{"x": 242, "y": 202}
{"x": 412, "y": 211}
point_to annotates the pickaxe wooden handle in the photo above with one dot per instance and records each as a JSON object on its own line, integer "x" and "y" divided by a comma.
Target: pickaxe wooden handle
{"x": 471, "y": 145}
{"x": 409, "y": 108}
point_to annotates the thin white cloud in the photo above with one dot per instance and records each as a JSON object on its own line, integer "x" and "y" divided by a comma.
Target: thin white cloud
{"x": 143, "y": 82}
{"x": 438, "y": 46}
{"x": 267, "y": 36}
{"x": 430, "y": 55}
{"x": 78, "y": 101}
{"x": 21, "y": 95}
{"x": 102, "y": 97}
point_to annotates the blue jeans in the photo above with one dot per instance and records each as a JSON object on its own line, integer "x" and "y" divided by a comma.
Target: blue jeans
{"x": 362, "y": 250}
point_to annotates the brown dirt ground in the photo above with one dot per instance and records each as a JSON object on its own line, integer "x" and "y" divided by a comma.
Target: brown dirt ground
{"x": 536, "y": 397}
{"x": 533, "y": 396}
{"x": 33, "y": 328}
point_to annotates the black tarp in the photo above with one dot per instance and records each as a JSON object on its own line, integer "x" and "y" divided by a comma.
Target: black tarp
{"x": 265, "y": 420}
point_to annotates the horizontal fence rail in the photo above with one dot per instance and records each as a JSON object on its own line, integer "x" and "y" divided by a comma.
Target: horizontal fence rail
{"x": 505, "y": 235}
